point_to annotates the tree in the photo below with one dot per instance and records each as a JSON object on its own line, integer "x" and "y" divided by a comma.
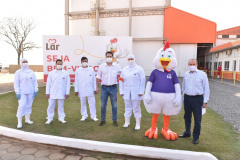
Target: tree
{"x": 16, "y": 31}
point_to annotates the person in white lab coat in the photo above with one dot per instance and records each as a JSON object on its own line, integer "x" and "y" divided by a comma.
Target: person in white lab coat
{"x": 132, "y": 85}
{"x": 85, "y": 87}
{"x": 57, "y": 88}
{"x": 26, "y": 88}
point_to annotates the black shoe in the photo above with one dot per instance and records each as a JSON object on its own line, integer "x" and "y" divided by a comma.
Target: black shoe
{"x": 102, "y": 123}
{"x": 184, "y": 135}
{"x": 195, "y": 141}
{"x": 115, "y": 123}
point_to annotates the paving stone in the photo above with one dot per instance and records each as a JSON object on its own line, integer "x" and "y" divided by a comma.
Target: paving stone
{"x": 42, "y": 158}
{"x": 3, "y": 152}
{"x": 26, "y": 157}
{"x": 28, "y": 151}
{"x": 55, "y": 150}
{"x": 89, "y": 158}
{"x": 29, "y": 145}
{"x": 70, "y": 157}
{"x": 83, "y": 155}
{"x": 15, "y": 149}
{"x": 10, "y": 156}
{"x": 4, "y": 141}
{"x": 57, "y": 156}
{"x": 5, "y": 146}
{"x": 42, "y": 153}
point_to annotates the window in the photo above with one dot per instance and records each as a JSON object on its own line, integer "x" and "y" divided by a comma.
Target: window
{"x": 215, "y": 66}
{"x": 226, "y": 65}
{"x": 239, "y": 66}
{"x": 238, "y": 36}
{"x": 220, "y": 63}
{"x": 225, "y": 36}
{"x": 207, "y": 65}
{"x": 234, "y": 65}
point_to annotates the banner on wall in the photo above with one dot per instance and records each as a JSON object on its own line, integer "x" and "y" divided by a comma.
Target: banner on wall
{"x": 70, "y": 49}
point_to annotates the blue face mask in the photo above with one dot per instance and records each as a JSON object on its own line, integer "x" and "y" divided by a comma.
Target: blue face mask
{"x": 192, "y": 68}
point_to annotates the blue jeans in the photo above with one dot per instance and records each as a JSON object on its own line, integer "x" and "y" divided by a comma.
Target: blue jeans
{"x": 193, "y": 105}
{"x": 112, "y": 92}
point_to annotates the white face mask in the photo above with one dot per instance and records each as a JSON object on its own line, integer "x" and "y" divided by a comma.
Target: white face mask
{"x": 109, "y": 60}
{"x": 131, "y": 62}
{"x": 59, "y": 66}
{"x": 85, "y": 64}
{"x": 192, "y": 68}
{"x": 25, "y": 64}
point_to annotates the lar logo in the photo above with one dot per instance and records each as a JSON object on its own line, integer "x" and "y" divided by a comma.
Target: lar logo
{"x": 51, "y": 45}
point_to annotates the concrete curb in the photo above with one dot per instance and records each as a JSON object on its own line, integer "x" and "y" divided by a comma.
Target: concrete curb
{"x": 132, "y": 150}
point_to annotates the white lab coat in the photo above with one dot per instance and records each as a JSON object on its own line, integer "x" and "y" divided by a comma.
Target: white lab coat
{"x": 85, "y": 82}
{"x": 58, "y": 84}
{"x": 85, "y": 85}
{"x": 134, "y": 83}
{"x": 25, "y": 84}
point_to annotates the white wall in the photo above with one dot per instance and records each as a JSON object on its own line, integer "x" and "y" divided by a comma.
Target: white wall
{"x": 148, "y": 3}
{"x": 224, "y": 57}
{"x": 80, "y": 5}
{"x": 145, "y": 52}
{"x": 147, "y": 26}
{"x": 81, "y": 27}
{"x": 223, "y": 41}
{"x": 184, "y": 52}
{"x": 115, "y": 26}
{"x": 83, "y": 5}
{"x": 113, "y": 4}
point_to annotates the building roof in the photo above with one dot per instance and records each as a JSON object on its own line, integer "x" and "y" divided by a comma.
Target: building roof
{"x": 226, "y": 46}
{"x": 230, "y": 31}
{"x": 184, "y": 27}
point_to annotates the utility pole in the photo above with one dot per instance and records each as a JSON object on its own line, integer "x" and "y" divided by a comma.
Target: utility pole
{"x": 130, "y": 18}
{"x": 66, "y": 17}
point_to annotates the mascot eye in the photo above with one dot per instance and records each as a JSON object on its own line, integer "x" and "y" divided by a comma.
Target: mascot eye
{"x": 162, "y": 55}
{"x": 169, "y": 56}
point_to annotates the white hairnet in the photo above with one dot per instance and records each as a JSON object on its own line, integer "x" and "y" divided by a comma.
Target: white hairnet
{"x": 21, "y": 62}
{"x": 131, "y": 56}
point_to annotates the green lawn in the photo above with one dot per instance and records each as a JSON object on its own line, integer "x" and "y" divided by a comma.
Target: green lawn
{"x": 217, "y": 137}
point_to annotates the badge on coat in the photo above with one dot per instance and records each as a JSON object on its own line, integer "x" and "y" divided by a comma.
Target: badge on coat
{"x": 169, "y": 76}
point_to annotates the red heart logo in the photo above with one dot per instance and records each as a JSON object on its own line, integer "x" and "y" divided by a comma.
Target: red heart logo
{"x": 113, "y": 40}
{"x": 52, "y": 41}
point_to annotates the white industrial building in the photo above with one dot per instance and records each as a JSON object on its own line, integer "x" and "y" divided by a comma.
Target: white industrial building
{"x": 149, "y": 22}
{"x": 227, "y": 51}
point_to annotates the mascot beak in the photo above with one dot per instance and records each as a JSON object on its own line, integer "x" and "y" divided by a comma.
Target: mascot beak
{"x": 165, "y": 62}
{"x": 113, "y": 50}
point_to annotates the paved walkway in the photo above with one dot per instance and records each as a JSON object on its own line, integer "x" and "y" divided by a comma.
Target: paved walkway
{"x": 13, "y": 149}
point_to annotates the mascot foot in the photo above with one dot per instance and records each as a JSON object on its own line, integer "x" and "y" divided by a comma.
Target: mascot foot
{"x": 152, "y": 133}
{"x": 169, "y": 135}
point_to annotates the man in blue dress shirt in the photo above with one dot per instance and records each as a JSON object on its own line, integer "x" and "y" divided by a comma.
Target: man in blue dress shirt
{"x": 196, "y": 93}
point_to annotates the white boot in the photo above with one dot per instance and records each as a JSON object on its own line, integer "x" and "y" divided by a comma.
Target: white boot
{"x": 27, "y": 119}
{"x": 127, "y": 122}
{"x": 48, "y": 122}
{"x": 138, "y": 121}
{"x": 19, "y": 122}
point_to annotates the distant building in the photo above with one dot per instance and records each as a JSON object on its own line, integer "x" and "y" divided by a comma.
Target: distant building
{"x": 227, "y": 51}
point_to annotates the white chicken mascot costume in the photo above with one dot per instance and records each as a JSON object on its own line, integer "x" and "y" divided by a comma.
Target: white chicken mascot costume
{"x": 163, "y": 93}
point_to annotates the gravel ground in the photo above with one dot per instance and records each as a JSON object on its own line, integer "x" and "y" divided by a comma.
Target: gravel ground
{"x": 225, "y": 100}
